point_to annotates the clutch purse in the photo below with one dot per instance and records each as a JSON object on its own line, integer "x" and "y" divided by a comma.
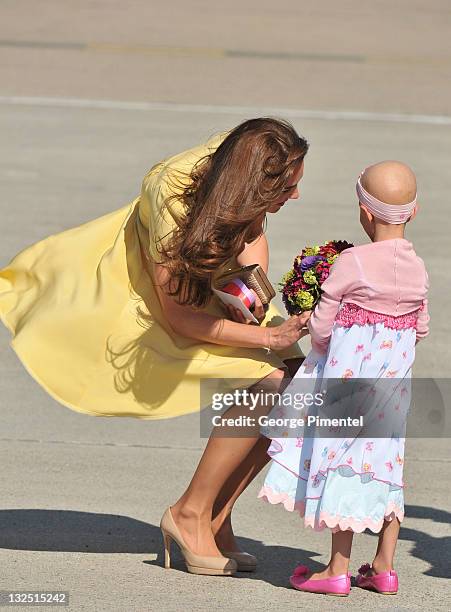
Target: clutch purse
{"x": 253, "y": 277}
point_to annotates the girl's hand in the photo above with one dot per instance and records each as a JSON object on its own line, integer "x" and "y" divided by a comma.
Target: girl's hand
{"x": 290, "y": 331}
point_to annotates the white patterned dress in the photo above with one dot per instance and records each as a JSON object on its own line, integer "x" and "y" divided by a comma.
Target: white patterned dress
{"x": 350, "y": 482}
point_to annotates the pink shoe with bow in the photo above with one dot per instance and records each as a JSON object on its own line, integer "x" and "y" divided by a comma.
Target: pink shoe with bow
{"x": 335, "y": 585}
{"x": 384, "y": 582}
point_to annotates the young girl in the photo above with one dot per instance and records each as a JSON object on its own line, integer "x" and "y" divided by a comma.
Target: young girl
{"x": 372, "y": 312}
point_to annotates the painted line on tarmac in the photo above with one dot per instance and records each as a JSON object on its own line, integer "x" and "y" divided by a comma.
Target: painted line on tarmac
{"x": 174, "y": 51}
{"x": 224, "y": 53}
{"x": 254, "y": 111}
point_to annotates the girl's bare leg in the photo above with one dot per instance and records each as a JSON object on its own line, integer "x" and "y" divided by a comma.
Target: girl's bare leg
{"x": 339, "y": 557}
{"x": 385, "y": 553}
{"x": 193, "y": 512}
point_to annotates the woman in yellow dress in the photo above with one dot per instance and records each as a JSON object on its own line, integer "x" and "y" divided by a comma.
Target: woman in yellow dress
{"x": 116, "y": 317}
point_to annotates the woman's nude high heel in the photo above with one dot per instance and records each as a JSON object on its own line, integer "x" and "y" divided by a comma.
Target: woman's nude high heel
{"x": 196, "y": 564}
{"x": 245, "y": 561}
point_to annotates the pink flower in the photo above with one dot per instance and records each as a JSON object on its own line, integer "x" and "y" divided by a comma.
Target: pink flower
{"x": 312, "y": 261}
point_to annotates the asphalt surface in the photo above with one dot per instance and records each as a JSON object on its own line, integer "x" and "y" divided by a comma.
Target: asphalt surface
{"x": 92, "y": 94}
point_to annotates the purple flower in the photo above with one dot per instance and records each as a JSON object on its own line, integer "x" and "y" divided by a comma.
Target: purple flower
{"x": 309, "y": 261}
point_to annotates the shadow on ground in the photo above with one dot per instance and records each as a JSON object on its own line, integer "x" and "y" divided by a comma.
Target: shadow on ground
{"x": 434, "y": 550}
{"x": 73, "y": 531}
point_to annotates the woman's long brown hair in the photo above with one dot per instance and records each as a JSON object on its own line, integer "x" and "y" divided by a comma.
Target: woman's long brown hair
{"x": 225, "y": 202}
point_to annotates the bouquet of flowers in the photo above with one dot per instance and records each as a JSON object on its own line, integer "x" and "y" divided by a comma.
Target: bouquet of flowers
{"x": 301, "y": 286}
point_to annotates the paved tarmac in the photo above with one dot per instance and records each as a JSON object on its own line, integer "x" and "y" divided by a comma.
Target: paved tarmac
{"x": 92, "y": 94}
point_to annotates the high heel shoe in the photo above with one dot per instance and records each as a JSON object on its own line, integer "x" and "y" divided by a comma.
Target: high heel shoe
{"x": 245, "y": 561}
{"x": 195, "y": 564}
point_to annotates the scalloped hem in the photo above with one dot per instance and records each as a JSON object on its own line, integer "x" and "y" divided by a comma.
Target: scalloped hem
{"x": 270, "y": 496}
{"x": 336, "y": 523}
{"x": 333, "y": 522}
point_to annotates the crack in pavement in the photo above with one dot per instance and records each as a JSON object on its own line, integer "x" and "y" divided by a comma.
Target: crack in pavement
{"x": 86, "y": 443}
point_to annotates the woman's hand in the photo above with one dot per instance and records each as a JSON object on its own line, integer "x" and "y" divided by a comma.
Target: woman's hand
{"x": 257, "y": 310}
{"x": 290, "y": 331}
{"x": 193, "y": 323}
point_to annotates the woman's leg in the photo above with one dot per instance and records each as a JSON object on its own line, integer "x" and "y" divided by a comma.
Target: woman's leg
{"x": 222, "y": 456}
{"x": 240, "y": 480}
{"x": 232, "y": 489}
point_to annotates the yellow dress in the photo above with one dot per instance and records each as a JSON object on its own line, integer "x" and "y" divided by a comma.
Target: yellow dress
{"x": 87, "y": 323}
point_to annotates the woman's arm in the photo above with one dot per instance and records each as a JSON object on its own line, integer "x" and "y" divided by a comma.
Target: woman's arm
{"x": 191, "y": 323}
{"x": 255, "y": 252}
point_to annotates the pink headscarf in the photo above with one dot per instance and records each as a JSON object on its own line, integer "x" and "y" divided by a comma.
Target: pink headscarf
{"x": 391, "y": 213}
